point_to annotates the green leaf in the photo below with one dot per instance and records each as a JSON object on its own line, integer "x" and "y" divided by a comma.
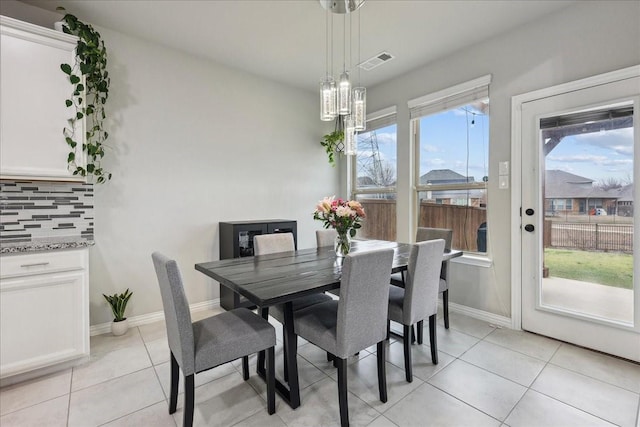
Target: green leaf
{"x": 66, "y": 68}
{"x": 79, "y": 115}
{"x": 90, "y": 167}
{"x": 71, "y": 157}
{"x": 80, "y": 88}
{"x": 68, "y": 103}
{"x": 74, "y": 79}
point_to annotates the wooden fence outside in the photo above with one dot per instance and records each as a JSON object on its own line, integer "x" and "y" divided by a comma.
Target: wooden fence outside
{"x": 381, "y": 221}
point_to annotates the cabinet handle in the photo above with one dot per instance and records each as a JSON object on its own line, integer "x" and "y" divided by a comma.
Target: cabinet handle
{"x": 34, "y": 264}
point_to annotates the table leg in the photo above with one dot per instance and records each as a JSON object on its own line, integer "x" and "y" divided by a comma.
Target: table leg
{"x": 264, "y": 312}
{"x": 290, "y": 393}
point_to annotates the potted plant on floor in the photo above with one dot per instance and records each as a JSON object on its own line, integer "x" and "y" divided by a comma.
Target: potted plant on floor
{"x": 118, "y": 305}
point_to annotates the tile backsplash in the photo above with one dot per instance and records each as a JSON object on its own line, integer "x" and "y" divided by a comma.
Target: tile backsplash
{"x": 35, "y": 209}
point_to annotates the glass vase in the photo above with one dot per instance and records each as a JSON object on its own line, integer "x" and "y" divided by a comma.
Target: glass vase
{"x": 343, "y": 244}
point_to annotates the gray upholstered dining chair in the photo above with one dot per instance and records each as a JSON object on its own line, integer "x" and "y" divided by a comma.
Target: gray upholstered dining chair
{"x": 418, "y": 299}
{"x": 283, "y": 242}
{"x": 354, "y": 322}
{"x": 326, "y": 237}
{"x": 202, "y": 345}
{"x": 424, "y": 234}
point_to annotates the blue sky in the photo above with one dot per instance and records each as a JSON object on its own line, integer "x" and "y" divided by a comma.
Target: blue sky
{"x": 597, "y": 156}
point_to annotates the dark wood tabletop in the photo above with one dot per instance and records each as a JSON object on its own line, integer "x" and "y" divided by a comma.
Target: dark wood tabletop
{"x": 277, "y": 278}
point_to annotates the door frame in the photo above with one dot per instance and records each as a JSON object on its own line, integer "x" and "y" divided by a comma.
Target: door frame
{"x": 516, "y": 168}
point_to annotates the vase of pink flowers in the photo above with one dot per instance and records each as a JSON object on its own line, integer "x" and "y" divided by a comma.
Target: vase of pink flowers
{"x": 342, "y": 215}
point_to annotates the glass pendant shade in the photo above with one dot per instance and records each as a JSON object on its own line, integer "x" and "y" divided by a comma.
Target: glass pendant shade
{"x": 344, "y": 94}
{"x": 349, "y": 136}
{"x": 328, "y": 99}
{"x": 359, "y": 112}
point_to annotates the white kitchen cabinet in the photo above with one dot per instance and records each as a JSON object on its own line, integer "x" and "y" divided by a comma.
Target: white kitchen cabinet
{"x": 44, "y": 310}
{"x": 33, "y": 113}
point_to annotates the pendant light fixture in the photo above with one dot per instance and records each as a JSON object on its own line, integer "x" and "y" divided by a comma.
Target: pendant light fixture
{"x": 340, "y": 98}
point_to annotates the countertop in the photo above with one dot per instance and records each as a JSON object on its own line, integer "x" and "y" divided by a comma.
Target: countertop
{"x": 44, "y": 244}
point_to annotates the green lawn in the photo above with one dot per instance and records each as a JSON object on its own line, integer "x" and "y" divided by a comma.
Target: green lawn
{"x": 612, "y": 269}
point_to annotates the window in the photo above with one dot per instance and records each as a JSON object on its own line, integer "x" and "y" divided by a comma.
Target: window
{"x": 374, "y": 175}
{"x": 451, "y": 131}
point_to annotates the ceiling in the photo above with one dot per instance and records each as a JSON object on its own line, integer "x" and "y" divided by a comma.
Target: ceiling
{"x": 284, "y": 40}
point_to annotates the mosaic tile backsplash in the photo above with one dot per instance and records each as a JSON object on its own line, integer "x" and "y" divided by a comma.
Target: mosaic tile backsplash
{"x": 34, "y": 210}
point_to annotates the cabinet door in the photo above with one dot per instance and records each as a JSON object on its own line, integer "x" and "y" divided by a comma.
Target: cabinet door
{"x": 32, "y": 107}
{"x": 43, "y": 321}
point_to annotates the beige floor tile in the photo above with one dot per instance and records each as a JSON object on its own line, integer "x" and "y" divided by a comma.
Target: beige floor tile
{"x": 113, "y": 399}
{"x": 153, "y": 331}
{"x": 164, "y": 375}
{"x": 468, "y": 325}
{"x": 453, "y": 342}
{"x": 599, "y": 366}
{"x": 155, "y": 415}
{"x": 507, "y": 363}
{"x": 158, "y": 351}
{"x": 423, "y": 367}
{"x": 106, "y": 366}
{"x": 595, "y": 397}
{"x": 524, "y": 342}
{"x": 536, "y": 410}
{"x": 261, "y": 419}
{"x": 107, "y": 342}
{"x": 318, "y": 357}
{"x": 52, "y": 413}
{"x": 28, "y": 393}
{"x": 430, "y": 406}
{"x": 320, "y": 408}
{"x": 223, "y": 402}
{"x": 481, "y": 389}
{"x": 382, "y": 421}
{"x": 362, "y": 380}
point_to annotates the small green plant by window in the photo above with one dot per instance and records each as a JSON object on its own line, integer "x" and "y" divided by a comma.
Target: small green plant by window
{"x": 91, "y": 63}
{"x": 118, "y": 304}
{"x": 334, "y": 142}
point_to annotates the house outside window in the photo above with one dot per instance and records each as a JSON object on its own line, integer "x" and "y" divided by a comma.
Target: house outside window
{"x": 373, "y": 175}
{"x": 451, "y": 133}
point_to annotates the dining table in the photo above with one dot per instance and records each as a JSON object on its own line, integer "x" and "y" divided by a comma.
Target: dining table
{"x": 280, "y": 278}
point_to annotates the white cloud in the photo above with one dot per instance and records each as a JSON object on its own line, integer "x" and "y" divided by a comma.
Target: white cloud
{"x": 590, "y": 158}
{"x": 430, "y": 148}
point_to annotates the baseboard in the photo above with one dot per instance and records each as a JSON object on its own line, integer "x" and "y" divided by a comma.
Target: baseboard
{"x": 145, "y": 319}
{"x": 491, "y": 318}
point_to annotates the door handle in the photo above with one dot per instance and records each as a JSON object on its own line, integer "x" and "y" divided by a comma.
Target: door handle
{"x": 529, "y": 211}
{"x": 529, "y": 227}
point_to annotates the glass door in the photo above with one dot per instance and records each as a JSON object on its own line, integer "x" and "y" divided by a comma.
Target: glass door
{"x": 578, "y": 168}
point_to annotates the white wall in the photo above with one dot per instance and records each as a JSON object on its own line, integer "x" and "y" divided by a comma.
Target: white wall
{"x": 584, "y": 40}
{"x": 194, "y": 143}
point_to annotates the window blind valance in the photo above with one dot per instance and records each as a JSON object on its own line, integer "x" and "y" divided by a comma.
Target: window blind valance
{"x": 447, "y": 99}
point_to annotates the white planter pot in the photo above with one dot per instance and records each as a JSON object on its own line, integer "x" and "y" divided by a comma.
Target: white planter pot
{"x": 119, "y": 328}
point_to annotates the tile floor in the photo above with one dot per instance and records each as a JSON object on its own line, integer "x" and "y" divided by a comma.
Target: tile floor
{"x": 486, "y": 377}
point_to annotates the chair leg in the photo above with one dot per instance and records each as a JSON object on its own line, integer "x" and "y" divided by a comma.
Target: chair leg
{"x": 407, "y": 353}
{"x": 420, "y": 327}
{"x": 388, "y": 329}
{"x": 382, "y": 371}
{"x": 329, "y": 357}
{"x": 413, "y": 335}
{"x": 189, "y": 401}
{"x": 245, "y": 368}
{"x": 445, "y": 307}
{"x": 271, "y": 381}
{"x": 433, "y": 339}
{"x": 175, "y": 376}
{"x": 342, "y": 391}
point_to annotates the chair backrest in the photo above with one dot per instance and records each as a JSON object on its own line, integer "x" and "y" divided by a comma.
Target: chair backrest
{"x": 265, "y": 244}
{"x": 326, "y": 237}
{"x": 176, "y": 312}
{"x": 426, "y": 233}
{"x": 423, "y": 280}
{"x": 364, "y": 300}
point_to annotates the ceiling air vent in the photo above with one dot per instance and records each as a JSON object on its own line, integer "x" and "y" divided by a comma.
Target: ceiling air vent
{"x": 376, "y": 61}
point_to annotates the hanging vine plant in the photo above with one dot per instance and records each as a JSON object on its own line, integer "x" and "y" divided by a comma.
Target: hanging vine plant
{"x": 334, "y": 142}
{"x": 91, "y": 63}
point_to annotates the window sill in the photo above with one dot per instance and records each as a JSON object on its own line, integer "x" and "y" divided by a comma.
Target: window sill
{"x": 475, "y": 260}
